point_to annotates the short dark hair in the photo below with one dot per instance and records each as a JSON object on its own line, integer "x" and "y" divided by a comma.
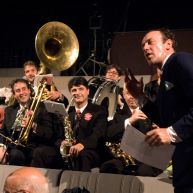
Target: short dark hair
{"x": 167, "y": 34}
{"x": 31, "y": 63}
{"x": 15, "y": 81}
{"x": 77, "y": 81}
{"x": 118, "y": 69}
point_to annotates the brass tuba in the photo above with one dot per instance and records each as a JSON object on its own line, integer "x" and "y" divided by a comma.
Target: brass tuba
{"x": 57, "y": 48}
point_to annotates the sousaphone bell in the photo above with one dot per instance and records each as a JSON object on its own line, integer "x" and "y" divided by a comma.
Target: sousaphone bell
{"x": 56, "y": 46}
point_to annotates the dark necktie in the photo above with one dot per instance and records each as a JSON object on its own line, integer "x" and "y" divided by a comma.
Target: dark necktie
{"x": 77, "y": 122}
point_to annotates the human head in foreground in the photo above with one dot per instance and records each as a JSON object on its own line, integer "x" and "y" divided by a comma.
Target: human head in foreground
{"x": 26, "y": 180}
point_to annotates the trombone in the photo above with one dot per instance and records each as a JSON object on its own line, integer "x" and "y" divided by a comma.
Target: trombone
{"x": 24, "y": 134}
{"x": 57, "y": 48}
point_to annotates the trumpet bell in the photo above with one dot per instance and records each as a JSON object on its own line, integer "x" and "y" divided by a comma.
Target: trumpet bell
{"x": 56, "y": 45}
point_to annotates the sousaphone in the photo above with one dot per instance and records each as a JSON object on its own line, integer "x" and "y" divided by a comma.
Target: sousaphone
{"x": 56, "y": 46}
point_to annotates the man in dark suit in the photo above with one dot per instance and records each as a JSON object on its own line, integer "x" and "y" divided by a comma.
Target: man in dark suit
{"x": 130, "y": 116}
{"x": 88, "y": 129}
{"x": 38, "y": 148}
{"x": 174, "y": 103}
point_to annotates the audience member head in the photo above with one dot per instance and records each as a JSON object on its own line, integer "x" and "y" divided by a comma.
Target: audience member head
{"x": 113, "y": 72}
{"x": 26, "y": 180}
{"x": 30, "y": 70}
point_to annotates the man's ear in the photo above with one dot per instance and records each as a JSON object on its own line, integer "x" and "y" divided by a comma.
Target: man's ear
{"x": 169, "y": 44}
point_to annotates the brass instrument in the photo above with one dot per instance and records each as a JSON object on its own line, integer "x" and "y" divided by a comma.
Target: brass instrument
{"x": 24, "y": 134}
{"x": 120, "y": 154}
{"x": 57, "y": 48}
{"x": 68, "y": 134}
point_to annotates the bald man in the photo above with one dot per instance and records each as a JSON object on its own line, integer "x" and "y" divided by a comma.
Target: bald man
{"x": 26, "y": 180}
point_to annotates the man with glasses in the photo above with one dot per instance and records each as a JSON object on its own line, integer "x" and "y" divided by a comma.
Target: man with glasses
{"x": 114, "y": 73}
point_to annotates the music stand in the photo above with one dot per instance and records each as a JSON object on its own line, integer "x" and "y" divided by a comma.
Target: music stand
{"x": 92, "y": 59}
{"x": 82, "y": 66}
{"x": 55, "y": 107}
{"x": 95, "y": 23}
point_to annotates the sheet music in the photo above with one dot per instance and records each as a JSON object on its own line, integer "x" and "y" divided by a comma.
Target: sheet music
{"x": 55, "y": 107}
{"x": 133, "y": 143}
{"x": 38, "y": 78}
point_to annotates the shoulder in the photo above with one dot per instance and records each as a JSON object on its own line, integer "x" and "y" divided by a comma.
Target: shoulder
{"x": 71, "y": 109}
{"x": 12, "y": 107}
{"x": 181, "y": 57}
{"x": 95, "y": 107}
{"x": 180, "y": 62}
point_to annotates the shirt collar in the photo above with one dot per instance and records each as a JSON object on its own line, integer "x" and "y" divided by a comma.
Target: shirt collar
{"x": 81, "y": 109}
{"x": 165, "y": 60}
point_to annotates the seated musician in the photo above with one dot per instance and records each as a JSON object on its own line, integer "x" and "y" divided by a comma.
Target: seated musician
{"x": 38, "y": 147}
{"x": 114, "y": 73}
{"x": 135, "y": 117}
{"x": 88, "y": 126}
{"x": 30, "y": 71}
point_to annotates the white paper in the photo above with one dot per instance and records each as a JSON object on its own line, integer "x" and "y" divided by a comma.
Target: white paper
{"x": 55, "y": 107}
{"x": 133, "y": 143}
{"x": 38, "y": 79}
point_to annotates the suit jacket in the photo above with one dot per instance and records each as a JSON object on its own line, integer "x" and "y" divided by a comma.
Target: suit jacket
{"x": 92, "y": 126}
{"x": 116, "y": 127}
{"x": 48, "y": 131}
{"x": 151, "y": 90}
{"x": 175, "y": 108}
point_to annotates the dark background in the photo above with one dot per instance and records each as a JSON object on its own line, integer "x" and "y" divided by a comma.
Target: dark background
{"x": 20, "y": 22}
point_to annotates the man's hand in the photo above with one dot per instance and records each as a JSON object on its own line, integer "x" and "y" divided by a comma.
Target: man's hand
{"x": 134, "y": 86}
{"x": 76, "y": 149}
{"x": 53, "y": 95}
{"x": 26, "y": 119}
{"x": 137, "y": 115}
{"x": 3, "y": 155}
{"x": 158, "y": 136}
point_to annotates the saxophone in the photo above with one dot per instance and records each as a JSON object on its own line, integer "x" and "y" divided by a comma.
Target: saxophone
{"x": 120, "y": 154}
{"x": 68, "y": 134}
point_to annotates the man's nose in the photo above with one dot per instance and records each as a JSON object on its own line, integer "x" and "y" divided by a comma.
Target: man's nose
{"x": 145, "y": 47}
